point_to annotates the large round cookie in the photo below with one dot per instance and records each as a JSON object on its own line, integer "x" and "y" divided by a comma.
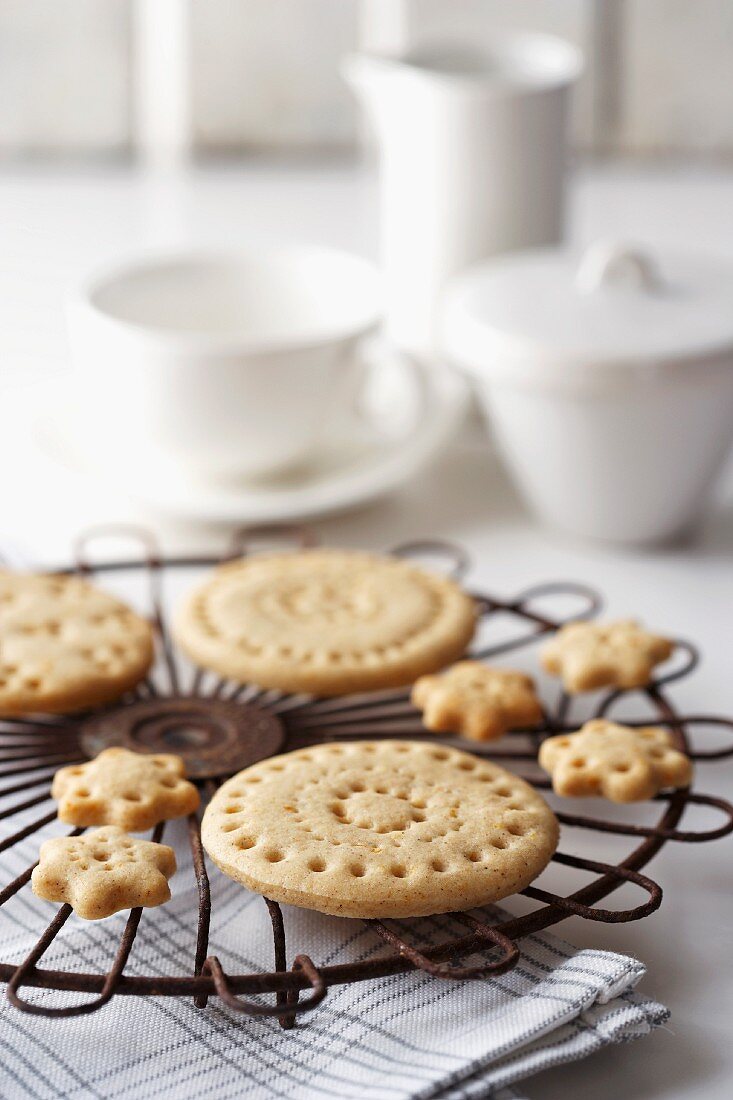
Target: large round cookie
{"x": 325, "y": 621}
{"x": 66, "y": 645}
{"x": 379, "y": 829}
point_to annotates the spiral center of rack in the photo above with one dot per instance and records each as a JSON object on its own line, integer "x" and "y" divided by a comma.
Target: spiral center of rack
{"x": 214, "y": 737}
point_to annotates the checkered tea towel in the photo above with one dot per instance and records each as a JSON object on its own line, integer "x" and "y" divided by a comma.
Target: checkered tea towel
{"x": 400, "y": 1037}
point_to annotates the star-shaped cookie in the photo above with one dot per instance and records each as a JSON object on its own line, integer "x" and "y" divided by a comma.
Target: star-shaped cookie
{"x": 593, "y": 655}
{"x": 129, "y": 789}
{"x": 479, "y": 702}
{"x": 618, "y": 762}
{"x": 103, "y": 872}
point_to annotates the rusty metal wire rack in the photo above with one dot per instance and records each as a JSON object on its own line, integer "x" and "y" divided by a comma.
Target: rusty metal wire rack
{"x": 221, "y": 727}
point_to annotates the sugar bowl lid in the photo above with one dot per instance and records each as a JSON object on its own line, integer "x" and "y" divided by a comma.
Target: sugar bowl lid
{"x": 554, "y": 312}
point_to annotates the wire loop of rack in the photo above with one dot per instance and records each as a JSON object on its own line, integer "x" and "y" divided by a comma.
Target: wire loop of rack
{"x": 32, "y": 748}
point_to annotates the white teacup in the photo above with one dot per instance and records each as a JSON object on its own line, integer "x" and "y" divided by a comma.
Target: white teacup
{"x": 221, "y": 365}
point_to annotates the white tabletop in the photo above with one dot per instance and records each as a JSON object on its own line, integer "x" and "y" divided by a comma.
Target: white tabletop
{"x": 55, "y": 225}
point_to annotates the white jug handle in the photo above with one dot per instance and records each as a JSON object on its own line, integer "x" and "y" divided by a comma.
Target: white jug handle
{"x": 375, "y": 352}
{"x": 607, "y": 263}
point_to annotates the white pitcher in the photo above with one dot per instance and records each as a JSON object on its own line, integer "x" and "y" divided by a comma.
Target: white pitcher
{"x": 473, "y": 151}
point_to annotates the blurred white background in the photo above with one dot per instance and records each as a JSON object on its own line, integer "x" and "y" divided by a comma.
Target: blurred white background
{"x": 79, "y": 78}
{"x": 146, "y": 125}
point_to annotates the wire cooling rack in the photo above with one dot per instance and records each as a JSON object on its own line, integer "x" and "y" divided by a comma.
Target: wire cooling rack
{"x": 220, "y": 727}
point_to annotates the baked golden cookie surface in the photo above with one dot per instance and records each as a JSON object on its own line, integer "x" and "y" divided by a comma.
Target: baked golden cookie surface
{"x": 620, "y": 763}
{"x": 477, "y": 701}
{"x": 131, "y": 790}
{"x": 325, "y": 621}
{"x": 103, "y": 871}
{"x": 589, "y": 655}
{"x": 379, "y": 829}
{"x": 66, "y": 645}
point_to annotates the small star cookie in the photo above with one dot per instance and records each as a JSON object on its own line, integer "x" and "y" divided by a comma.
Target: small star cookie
{"x": 104, "y": 871}
{"x": 131, "y": 790}
{"x": 594, "y": 655}
{"x": 479, "y": 702}
{"x": 618, "y": 762}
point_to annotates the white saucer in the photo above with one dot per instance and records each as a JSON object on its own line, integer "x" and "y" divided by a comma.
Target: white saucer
{"x": 413, "y": 412}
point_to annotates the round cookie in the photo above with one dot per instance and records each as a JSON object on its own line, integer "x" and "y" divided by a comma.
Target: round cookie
{"x": 66, "y": 645}
{"x": 379, "y": 829}
{"x": 325, "y": 621}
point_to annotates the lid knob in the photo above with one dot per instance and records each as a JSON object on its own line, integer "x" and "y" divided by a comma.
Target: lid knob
{"x": 613, "y": 263}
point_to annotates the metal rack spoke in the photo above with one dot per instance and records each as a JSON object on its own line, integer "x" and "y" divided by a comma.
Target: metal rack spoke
{"x": 110, "y": 981}
{"x": 27, "y": 784}
{"x": 486, "y": 934}
{"x": 24, "y": 757}
{"x": 27, "y": 830}
{"x": 37, "y": 724}
{"x": 683, "y": 835}
{"x": 35, "y": 743}
{"x": 204, "y": 896}
{"x": 456, "y": 557}
{"x": 50, "y": 761}
{"x": 301, "y": 964}
{"x": 19, "y": 807}
{"x": 573, "y": 904}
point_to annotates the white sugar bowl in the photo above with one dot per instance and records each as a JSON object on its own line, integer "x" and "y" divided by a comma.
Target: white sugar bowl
{"x": 608, "y": 381}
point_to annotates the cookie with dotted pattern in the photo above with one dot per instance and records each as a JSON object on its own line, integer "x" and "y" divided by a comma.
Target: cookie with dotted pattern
{"x": 477, "y": 701}
{"x": 617, "y": 762}
{"x": 104, "y": 871}
{"x": 130, "y": 790}
{"x": 66, "y": 645}
{"x": 588, "y": 656}
{"x": 325, "y": 621}
{"x": 379, "y": 829}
